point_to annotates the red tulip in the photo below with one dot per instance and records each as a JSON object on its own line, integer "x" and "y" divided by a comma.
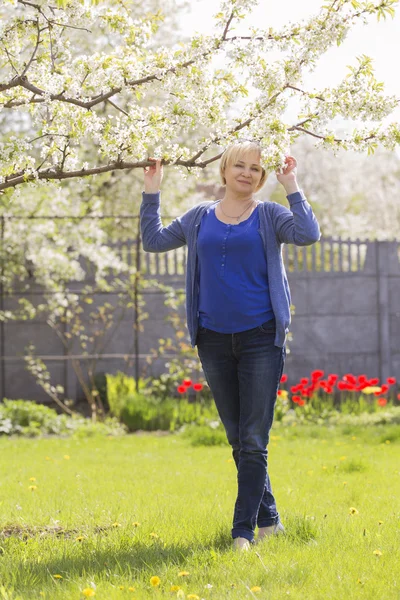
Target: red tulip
{"x": 383, "y": 390}
{"x": 304, "y": 380}
{"x": 181, "y": 389}
{"x": 374, "y": 381}
{"x": 342, "y": 385}
{"x": 187, "y": 382}
{"x": 302, "y": 402}
{"x": 198, "y": 387}
{"x": 297, "y": 398}
{"x": 398, "y": 396}
{"x": 317, "y": 374}
{"x": 284, "y": 378}
{"x": 349, "y": 378}
{"x": 391, "y": 380}
{"x": 382, "y": 401}
{"x": 294, "y": 389}
{"x": 333, "y": 377}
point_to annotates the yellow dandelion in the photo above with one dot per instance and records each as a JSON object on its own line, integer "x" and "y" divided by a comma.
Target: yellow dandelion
{"x": 343, "y": 458}
{"x": 121, "y": 587}
{"x": 79, "y": 538}
{"x": 47, "y": 458}
{"x": 67, "y": 457}
{"x": 377, "y": 553}
{"x": 153, "y": 535}
{"x": 131, "y": 589}
{"x": 57, "y": 576}
{"x": 353, "y": 437}
{"x": 41, "y": 593}
{"x": 193, "y": 596}
{"x": 32, "y": 478}
{"x": 88, "y": 592}
{"x": 155, "y": 581}
{"x": 174, "y": 588}
{"x": 387, "y": 442}
{"x": 183, "y": 573}
{"x": 33, "y": 488}
{"x": 136, "y": 523}
{"x": 255, "y": 588}
{"x": 116, "y": 524}
{"x": 324, "y": 467}
{"x": 380, "y": 522}
{"x": 359, "y": 581}
{"x": 353, "y": 511}
{"x": 344, "y": 482}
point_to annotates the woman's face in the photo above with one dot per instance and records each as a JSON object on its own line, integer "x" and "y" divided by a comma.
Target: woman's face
{"x": 243, "y": 176}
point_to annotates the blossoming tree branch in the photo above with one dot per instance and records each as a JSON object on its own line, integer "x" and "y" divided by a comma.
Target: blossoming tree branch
{"x": 78, "y": 114}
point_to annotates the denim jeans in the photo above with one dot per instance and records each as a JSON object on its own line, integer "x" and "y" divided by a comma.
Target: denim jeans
{"x": 243, "y": 371}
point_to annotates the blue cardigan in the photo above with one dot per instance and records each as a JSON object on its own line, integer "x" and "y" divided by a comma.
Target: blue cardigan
{"x": 278, "y": 225}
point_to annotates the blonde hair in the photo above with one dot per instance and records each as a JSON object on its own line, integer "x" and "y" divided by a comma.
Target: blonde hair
{"x": 232, "y": 154}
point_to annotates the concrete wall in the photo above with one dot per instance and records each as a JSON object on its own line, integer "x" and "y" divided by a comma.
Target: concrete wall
{"x": 347, "y": 319}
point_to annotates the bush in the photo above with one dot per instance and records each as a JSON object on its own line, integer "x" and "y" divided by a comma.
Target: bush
{"x": 119, "y": 386}
{"x": 205, "y": 435}
{"x": 143, "y": 412}
{"x": 388, "y": 416}
{"x": 27, "y": 418}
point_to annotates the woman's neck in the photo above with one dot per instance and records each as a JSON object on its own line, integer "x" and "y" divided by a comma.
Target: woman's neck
{"x": 236, "y": 201}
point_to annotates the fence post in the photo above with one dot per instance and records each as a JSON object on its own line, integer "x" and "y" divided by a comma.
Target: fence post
{"x": 136, "y": 303}
{"x": 382, "y": 274}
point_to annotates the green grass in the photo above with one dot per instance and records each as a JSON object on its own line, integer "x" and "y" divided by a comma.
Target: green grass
{"x": 185, "y": 494}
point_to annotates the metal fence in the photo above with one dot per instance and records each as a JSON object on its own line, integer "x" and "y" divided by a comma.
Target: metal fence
{"x": 347, "y": 311}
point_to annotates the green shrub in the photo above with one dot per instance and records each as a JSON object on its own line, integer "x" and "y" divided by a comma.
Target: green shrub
{"x": 205, "y": 435}
{"x": 27, "y": 418}
{"x": 387, "y": 416}
{"x": 119, "y": 386}
{"x": 147, "y": 413}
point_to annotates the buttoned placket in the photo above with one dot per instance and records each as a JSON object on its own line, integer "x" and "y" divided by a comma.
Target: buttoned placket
{"x": 227, "y": 232}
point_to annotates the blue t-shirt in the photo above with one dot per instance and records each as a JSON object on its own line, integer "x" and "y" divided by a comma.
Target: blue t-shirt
{"x": 233, "y": 274}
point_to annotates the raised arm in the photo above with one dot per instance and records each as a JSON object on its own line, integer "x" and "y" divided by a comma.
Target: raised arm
{"x": 298, "y": 225}
{"x": 155, "y": 237}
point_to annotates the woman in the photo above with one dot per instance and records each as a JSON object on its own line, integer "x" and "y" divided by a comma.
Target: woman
{"x": 238, "y": 309}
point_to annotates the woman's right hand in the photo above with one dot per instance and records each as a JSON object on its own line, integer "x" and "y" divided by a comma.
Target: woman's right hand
{"x": 153, "y": 176}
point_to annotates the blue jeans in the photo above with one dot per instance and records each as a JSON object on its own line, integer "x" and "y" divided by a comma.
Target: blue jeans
{"x": 243, "y": 371}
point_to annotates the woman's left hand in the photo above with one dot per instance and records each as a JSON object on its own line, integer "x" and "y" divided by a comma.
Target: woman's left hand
{"x": 289, "y": 171}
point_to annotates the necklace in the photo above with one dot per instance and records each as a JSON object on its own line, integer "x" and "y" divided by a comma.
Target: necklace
{"x": 237, "y": 218}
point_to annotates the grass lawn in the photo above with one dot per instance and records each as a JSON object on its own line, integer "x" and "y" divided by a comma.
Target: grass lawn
{"x": 110, "y": 513}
